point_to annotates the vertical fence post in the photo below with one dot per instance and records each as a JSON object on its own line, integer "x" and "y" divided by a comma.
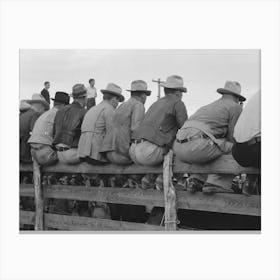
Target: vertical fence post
{"x": 169, "y": 194}
{"x": 39, "y": 200}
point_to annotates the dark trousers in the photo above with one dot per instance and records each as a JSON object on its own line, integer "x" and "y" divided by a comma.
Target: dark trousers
{"x": 247, "y": 155}
{"x": 90, "y": 103}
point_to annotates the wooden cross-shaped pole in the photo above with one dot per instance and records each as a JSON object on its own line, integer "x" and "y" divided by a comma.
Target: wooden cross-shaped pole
{"x": 158, "y": 81}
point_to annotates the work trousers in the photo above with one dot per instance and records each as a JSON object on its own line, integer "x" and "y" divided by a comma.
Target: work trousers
{"x": 43, "y": 154}
{"x": 118, "y": 158}
{"x": 69, "y": 156}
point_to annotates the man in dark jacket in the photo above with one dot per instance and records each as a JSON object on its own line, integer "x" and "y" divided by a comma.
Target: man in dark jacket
{"x": 26, "y": 123}
{"x": 155, "y": 136}
{"x": 67, "y": 126}
{"x": 45, "y": 91}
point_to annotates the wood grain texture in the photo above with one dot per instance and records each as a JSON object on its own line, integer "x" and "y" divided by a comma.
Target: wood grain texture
{"x": 223, "y": 203}
{"x": 39, "y": 200}
{"x": 224, "y": 164}
{"x": 76, "y": 223}
{"x": 170, "y": 213}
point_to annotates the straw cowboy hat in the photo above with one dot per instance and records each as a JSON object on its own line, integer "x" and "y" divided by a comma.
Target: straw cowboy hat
{"x": 24, "y": 105}
{"x": 232, "y": 87}
{"x": 174, "y": 82}
{"x": 38, "y": 98}
{"x": 61, "y": 97}
{"x": 140, "y": 85}
{"x": 114, "y": 90}
{"x": 79, "y": 91}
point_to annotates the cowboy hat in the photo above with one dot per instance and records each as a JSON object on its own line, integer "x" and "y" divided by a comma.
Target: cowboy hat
{"x": 114, "y": 90}
{"x": 38, "y": 98}
{"x": 233, "y": 88}
{"x": 61, "y": 97}
{"x": 174, "y": 82}
{"x": 140, "y": 85}
{"x": 24, "y": 106}
{"x": 78, "y": 91}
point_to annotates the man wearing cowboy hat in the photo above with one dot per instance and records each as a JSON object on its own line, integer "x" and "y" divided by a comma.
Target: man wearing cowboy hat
{"x": 208, "y": 134}
{"x": 26, "y": 122}
{"x": 97, "y": 122}
{"x": 128, "y": 116}
{"x": 67, "y": 126}
{"x": 155, "y": 136}
{"x": 41, "y": 139}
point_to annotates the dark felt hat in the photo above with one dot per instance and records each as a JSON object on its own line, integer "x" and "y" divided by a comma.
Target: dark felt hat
{"x": 61, "y": 97}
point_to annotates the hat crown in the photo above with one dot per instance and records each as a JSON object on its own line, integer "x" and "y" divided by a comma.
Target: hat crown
{"x": 174, "y": 81}
{"x": 61, "y": 96}
{"x": 139, "y": 85}
{"x": 113, "y": 88}
{"x": 78, "y": 88}
{"x": 37, "y": 96}
{"x": 233, "y": 86}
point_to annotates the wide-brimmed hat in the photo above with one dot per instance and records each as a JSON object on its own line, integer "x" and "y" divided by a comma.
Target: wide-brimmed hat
{"x": 78, "y": 91}
{"x": 114, "y": 90}
{"x": 232, "y": 87}
{"x": 141, "y": 86}
{"x": 24, "y": 105}
{"x": 174, "y": 82}
{"x": 61, "y": 97}
{"x": 38, "y": 98}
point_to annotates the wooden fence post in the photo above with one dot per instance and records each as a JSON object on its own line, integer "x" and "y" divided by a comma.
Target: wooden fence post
{"x": 169, "y": 194}
{"x": 39, "y": 200}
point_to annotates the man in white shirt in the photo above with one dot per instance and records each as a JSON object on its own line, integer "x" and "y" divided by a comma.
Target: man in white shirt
{"x": 247, "y": 134}
{"x": 91, "y": 94}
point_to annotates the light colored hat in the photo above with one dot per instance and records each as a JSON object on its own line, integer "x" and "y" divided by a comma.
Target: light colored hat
{"x": 140, "y": 85}
{"x": 232, "y": 87}
{"x": 78, "y": 91}
{"x": 38, "y": 98}
{"x": 115, "y": 90}
{"x": 24, "y": 106}
{"x": 174, "y": 82}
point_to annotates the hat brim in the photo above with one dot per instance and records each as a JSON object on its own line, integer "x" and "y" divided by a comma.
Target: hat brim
{"x": 44, "y": 103}
{"x": 183, "y": 89}
{"x": 120, "y": 96}
{"x": 147, "y": 92}
{"x": 60, "y": 101}
{"x": 226, "y": 91}
{"x": 80, "y": 96}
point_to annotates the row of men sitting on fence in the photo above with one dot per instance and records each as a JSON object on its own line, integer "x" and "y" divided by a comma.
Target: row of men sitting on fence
{"x": 125, "y": 134}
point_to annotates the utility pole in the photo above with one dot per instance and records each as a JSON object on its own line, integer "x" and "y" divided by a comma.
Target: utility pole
{"x": 158, "y": 81}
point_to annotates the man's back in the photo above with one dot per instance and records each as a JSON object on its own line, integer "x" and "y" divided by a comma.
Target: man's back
{"x": 67, "y": 124}
{"x": 162, "y": 121}
{"x": 221, "y": 116}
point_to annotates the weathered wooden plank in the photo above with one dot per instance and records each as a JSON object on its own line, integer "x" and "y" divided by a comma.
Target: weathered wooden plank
{"x": 223, "y": 203}
{"x": 39, "y": 200}
{"x": 86, "y": 168}
{"x": 225, "y": 164}
{"x": 64, "y": 222}
{"x": 170, "y": 212}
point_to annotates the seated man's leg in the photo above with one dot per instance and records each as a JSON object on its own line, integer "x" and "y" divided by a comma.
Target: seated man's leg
{"x": 117, "y": 158}
{"x": 69, "y": 156}
{"x": 44, "y": 154}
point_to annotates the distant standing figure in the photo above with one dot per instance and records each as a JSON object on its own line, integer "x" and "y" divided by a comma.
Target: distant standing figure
{"x": 26, "y": 122}
{"x": 91, "y": 94}
{"x": 247, "y": 134}
{"x": 45, "y": 91}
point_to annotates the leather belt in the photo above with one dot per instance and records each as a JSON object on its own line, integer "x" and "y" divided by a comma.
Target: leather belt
{"x": 198, "y": 136}
{"x": 137, "y": 141}
{"x": 254, "y": 141}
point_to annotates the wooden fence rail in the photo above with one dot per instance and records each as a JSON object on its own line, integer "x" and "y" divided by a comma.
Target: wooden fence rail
{"x": 170, "y": 199}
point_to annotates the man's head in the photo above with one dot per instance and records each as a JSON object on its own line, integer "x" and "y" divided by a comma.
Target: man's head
{"x": 176, "y": 92}
{"x": 113, "y": 94}
{"x": 38, "y": 103}
{"x": 112, "y": 99}
{"x": 61, "y": 99}
{"x": 91, "y": 82}
{"x": 79, "y": 94}
{"x": 232, "y": 90}
{"x": 139, "y": 90}
{"x": 47, "y": 85}
{"x": 174, "y": 85}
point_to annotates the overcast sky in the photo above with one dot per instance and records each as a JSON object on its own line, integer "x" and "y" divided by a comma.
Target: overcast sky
{"x": 203, "y": 71}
